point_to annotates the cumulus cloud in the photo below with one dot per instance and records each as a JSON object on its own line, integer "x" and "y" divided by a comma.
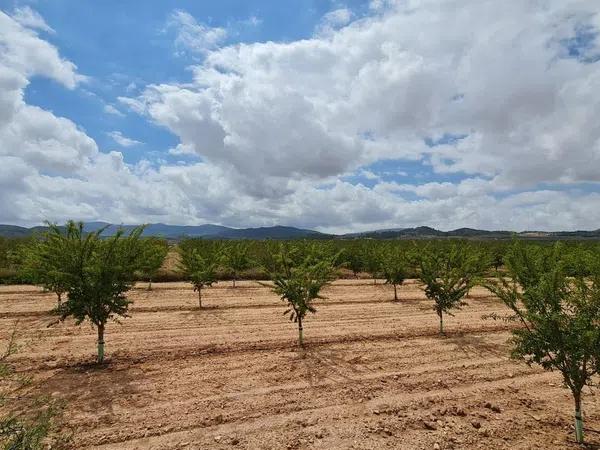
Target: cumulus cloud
{"x": 35, "y": 136}
{"x": 24, "y": 54}
{"x": 378, "y": 87}
{"x": 279, "y": 127}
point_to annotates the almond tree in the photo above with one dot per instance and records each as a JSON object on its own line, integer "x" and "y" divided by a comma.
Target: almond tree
{"x": 99, "y": 271}
{"x": 300, "y": 280}
{"x": 153, "y": 254}
{"x": 393, "y": 267}
{"x": 39, "y": 265}
{"x": 236, "y": 258}
{"x": 447, "y": 274}
{"x": 559, "y": 314}
{"x": 353, "y": 258}
{"x": 371, "y": 257}
{"x": 199, "y": 265}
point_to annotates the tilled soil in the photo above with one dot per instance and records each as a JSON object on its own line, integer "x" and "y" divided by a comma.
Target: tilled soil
{"x": 374, "y": 373}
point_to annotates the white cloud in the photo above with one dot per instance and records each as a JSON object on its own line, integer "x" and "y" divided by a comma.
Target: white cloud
{"x": 31, "y": 19}
{"x": 252, "y": 21}
{"x": 278, "y": 126}
{"x": 182, "y": 149}
{"x": 193, "y": 36}
{"x": 123, "y": 141}
{"x": 334, "y": 20}
{"x": 25, "y": 54}
{"x": 110, "y": 109}
{"x": 380, "y": 5}
{"x": 301, "y": 109}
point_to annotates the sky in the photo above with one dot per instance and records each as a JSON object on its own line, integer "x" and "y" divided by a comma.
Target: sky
{"x": 339, "y": 116}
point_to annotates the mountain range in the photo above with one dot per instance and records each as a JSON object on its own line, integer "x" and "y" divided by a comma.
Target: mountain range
{"x": 209, "y": 231}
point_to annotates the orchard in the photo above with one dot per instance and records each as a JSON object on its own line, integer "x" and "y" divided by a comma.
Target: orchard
{"x": 372, "y": 319}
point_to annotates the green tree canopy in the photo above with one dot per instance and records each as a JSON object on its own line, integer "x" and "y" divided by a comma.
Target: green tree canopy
{"x": 559, "y": 314}
{"x": 40, "y": 265}
{"x": 394, "y": 264}
{"x": 448, "y": 272}
{"x": 153, "y": 253}
{"x": 303, "y": 273}
{"x": 371, "y": 257}
{"x": 237, "y": 258}
{"x": 97, "y": 272}
{"x": 199, "y": 264}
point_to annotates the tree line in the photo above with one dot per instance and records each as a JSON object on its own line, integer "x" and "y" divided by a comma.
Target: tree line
{"x": 552, "y": 291}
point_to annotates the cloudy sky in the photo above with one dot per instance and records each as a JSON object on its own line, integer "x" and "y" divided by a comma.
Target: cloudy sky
{"x": 338, "y": 116}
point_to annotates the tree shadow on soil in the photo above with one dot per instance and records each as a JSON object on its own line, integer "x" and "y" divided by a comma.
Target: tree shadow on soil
{"x": 476, "y": 346}
{"x": 93, "y": 390}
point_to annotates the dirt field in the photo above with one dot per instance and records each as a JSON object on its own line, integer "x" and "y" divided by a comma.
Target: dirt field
{"x": 374, "y": 374}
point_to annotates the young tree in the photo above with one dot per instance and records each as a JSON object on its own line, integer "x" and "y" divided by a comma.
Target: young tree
{"x": 448, "y": 274}
{"x": 199, "y": 266}
{"x": 39, "y": 264}
{"x": 393, "y": 267}
{"x": 153, "y": 254}
{"x": 353, "y": 258}
{"x": 371, "y": 257}
{"x": 237, "y": 258}
{"x": 98, "y": 272}
{"x": 300, "y": 281}
{"x": 559, "y": 315}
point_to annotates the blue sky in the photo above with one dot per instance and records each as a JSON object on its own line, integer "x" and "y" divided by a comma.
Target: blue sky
{"x": 336, "y": 115}
{"x": 118, "y": 43}
{"x": 123, "y": 48}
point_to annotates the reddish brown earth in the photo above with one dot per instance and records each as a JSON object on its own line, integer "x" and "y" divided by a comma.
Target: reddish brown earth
{"x": 374, "y": 374}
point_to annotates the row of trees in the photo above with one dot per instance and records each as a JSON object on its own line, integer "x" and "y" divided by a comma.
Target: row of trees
{"x": 553, "y": 292}
{"x": 247, "y": 258}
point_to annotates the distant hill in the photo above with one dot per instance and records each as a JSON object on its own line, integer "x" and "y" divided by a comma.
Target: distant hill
{"x": 210, "y": 231}
{"x": 11, "y": 231}
{"x": 471, "y": 233}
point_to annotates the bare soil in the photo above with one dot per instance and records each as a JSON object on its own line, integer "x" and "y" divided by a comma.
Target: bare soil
{"x": 374, "y": 373}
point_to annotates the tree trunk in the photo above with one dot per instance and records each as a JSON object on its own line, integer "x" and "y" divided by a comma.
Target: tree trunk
{"x": 578, "y": 418}
{"x": 374, "y": 281}
{"x": 234, "y": 281}
{"x": 59, "y": 301}
{"x": 100, "y": 343}
{"x": 395, "y": 293}
{"x": 150, "y": 284}
{"x": 200, "y": 297}
{"x": 441, "y": 315}
{"x": 300, "y": 333}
